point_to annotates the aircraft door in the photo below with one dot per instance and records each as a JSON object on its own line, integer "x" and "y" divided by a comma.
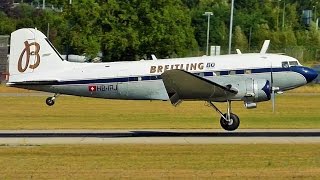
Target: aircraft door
{"x": 122, "y": 78}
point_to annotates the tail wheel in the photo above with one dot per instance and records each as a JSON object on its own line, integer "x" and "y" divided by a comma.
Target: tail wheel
{"x": 231, "y": 125}
{"x": 50, "y": 101}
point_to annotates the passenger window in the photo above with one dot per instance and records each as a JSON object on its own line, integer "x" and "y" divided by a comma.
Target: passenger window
{"x": 285, "y": 64}
{"x": 293, "y": 63}
{"x": 247, "y": 71}
{"x": 232, "y": 72}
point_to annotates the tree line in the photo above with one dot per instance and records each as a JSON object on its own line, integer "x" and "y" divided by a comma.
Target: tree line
{"x": 127, "y": 30}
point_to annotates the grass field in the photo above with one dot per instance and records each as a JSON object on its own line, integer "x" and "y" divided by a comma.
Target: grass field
{"x": 294, "y": 110}
{"x": 129, "y": 161}
{"x": 160, "y": 161}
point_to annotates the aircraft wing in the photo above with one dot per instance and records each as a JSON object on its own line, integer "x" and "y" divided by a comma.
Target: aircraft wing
{"x": 184, "y": 85}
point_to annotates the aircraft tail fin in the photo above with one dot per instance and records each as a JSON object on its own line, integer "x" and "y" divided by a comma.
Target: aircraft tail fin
{"x": 32, "y": 56}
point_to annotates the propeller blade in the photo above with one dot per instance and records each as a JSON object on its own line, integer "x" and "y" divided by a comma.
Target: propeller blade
{"x": 273, "y": 99}
{"x": 273, "y": 95}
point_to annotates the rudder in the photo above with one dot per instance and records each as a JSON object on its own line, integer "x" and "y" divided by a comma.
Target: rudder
{"x": 32, "y": 56}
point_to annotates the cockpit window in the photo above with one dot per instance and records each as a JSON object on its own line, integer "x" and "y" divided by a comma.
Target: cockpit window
{"x": 285, "y": 64}
{"x": 293, "y": 63}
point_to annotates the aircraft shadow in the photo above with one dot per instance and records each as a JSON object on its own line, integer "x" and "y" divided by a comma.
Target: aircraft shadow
{"x": 161, "y": 134}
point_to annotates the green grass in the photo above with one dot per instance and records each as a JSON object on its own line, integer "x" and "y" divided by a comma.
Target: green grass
{"x": 160, "y": 161}
{"x": 292, "y": 111}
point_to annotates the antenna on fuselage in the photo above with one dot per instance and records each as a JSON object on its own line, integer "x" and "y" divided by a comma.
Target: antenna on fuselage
{"x": 265, "y": 47}
{"x": 153, "y": 57}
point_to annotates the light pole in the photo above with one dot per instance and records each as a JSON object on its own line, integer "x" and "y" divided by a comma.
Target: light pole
{"x": 278, "y": 12}
{"x": 69, "y": 27}
{"x": 283, "y": 13}
{"x": 315, "y": 13}
{"x": 208, "y": 30}
{"x": 231, "y": 26}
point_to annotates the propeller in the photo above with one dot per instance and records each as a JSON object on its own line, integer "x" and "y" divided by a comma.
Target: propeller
{"x": 263, "y": 51}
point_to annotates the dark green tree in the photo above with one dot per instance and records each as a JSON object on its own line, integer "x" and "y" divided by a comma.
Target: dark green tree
{"x": 218, "y": 23}
{"x": 240, "y": 39}
{"x": 7, "y": 25}
{"x": 136, "y": 29}
{"x": 83, "y": 32}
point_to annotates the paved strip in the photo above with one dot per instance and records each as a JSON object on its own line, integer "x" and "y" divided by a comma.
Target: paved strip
{"x": 160, "y": 136}
{"x": 159, "y": 133}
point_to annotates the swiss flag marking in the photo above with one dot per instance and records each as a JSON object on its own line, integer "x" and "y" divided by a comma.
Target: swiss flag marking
{"x": 92, "y": 88}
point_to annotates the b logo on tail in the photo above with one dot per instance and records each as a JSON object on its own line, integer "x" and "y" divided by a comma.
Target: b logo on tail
{"x": 28, "y": 53}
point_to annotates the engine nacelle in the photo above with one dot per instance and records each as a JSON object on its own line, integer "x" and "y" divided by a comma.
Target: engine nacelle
{"x": 257, "y": 90}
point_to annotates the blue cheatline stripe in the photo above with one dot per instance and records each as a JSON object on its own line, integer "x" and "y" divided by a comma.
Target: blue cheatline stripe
{"x": 133, "y": 78}
{"x": 239, "y": 71}
{"x": 94, "y": 81}
{"x": 223, "y": 73}
{"x": 157, "y": 77}
{"x": 208, "y": 73}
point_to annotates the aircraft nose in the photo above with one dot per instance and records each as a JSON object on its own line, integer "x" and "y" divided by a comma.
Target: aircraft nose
{"x": 308, "y": 73}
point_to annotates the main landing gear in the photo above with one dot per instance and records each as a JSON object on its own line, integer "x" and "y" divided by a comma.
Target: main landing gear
{"x": 228, "y": 121}
{"x": 50, "y": 100}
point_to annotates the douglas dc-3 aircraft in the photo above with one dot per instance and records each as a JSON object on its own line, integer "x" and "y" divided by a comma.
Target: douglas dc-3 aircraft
{"x": 35, "y": 64}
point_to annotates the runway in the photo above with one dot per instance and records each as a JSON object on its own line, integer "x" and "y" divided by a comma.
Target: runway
{"x": 160, "y": 136}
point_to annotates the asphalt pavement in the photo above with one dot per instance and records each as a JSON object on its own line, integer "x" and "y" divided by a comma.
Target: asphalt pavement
{"x": 160, "y": 136}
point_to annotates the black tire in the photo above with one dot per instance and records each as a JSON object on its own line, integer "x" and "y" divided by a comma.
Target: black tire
{"x": 49, "y": 101}
{"x": 230, "y": 126}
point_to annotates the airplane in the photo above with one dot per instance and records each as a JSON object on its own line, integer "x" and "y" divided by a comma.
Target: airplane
{"x": 35, "y": 64}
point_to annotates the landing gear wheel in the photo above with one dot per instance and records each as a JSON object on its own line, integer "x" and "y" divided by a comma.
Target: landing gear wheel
{"x": 50, "y": 101}
{"x": 231, "y": 125}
